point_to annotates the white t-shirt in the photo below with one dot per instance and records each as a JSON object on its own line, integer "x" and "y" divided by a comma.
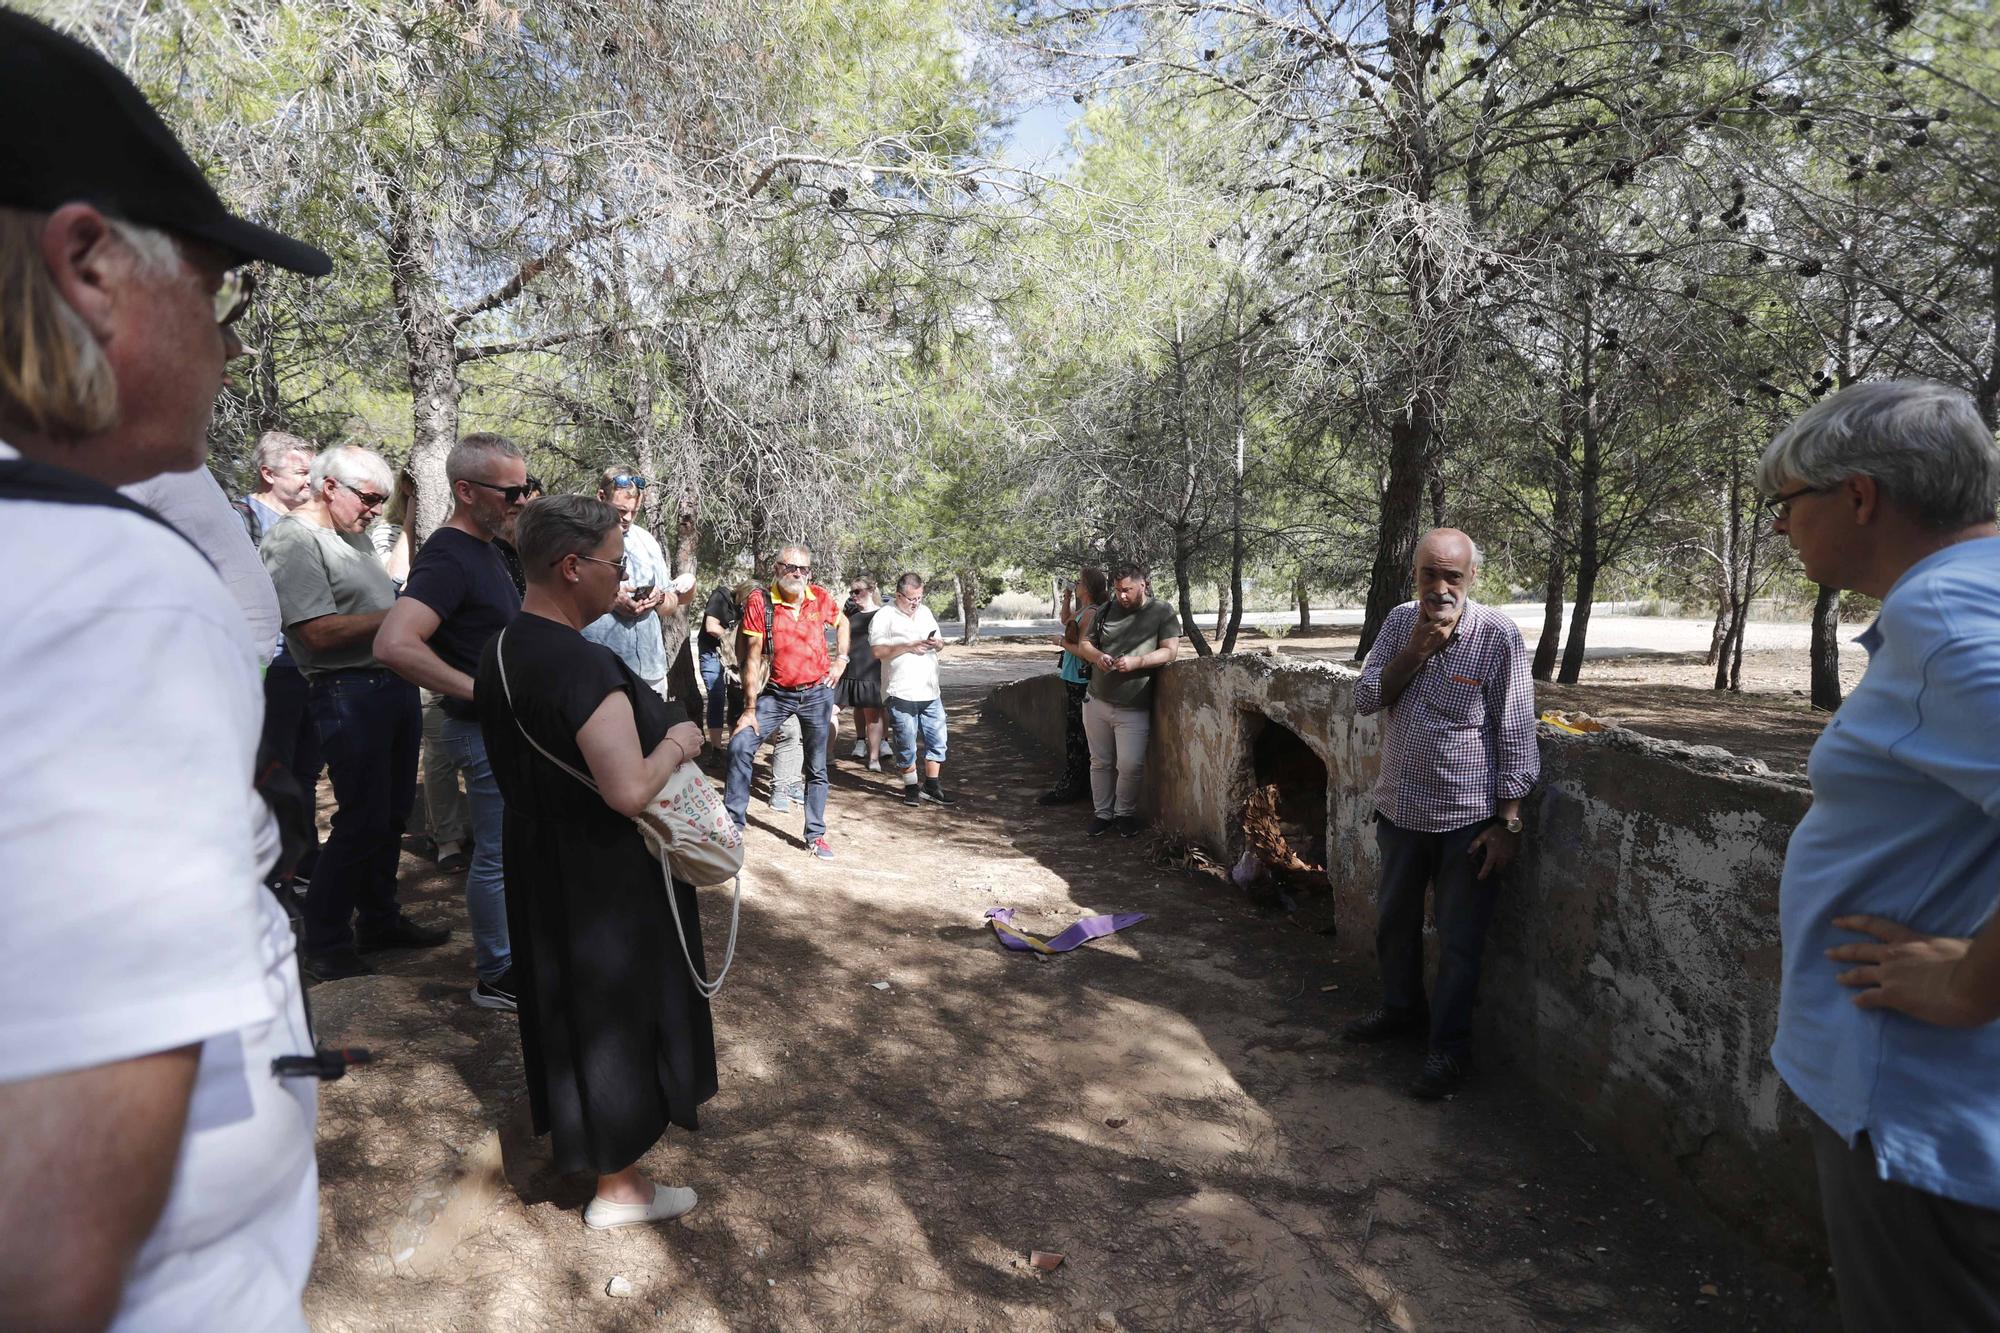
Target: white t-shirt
{"x": 135, "y": 920}
{"x": 910, "y": 676}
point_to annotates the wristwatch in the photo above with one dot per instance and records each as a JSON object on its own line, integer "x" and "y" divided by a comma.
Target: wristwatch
{"x": 1514, "y": 824}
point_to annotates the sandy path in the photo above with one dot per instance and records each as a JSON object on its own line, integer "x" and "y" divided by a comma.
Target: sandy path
{"x": 1168, "y": 1109}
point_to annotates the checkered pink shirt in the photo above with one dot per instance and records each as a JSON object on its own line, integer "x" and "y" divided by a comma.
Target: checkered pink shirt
{"x": 1461, "y": 737}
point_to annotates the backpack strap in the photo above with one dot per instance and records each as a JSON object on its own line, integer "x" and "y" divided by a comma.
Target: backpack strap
{"x": 41, "y": 483}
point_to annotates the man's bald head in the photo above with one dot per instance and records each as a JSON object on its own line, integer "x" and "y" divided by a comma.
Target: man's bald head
{"x": 1447, "y": 563}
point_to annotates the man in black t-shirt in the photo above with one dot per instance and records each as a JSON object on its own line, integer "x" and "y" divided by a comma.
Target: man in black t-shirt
{"x": 459, "y": 595}
{"x": 718, "y": 623}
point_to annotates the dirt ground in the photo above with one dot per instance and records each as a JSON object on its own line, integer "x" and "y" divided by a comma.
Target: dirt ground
{"x": 1169, "y": 1109}
{"x": 1670, "y": 695}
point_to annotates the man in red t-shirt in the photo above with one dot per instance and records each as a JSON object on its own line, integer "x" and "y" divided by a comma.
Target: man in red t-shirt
{"x": 787, "y": 672}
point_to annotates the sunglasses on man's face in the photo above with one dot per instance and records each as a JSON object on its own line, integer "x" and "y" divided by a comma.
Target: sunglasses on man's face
{"x": 784, "y": 568}
{"x": 511, "y": 494}
{"x": 369, "y": 499}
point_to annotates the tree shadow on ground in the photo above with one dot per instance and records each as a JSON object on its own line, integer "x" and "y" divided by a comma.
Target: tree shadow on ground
{"x": 1164, "y": 1108}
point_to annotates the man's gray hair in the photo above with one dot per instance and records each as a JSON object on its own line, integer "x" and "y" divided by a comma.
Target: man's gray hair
{"x": 1471, "y": 546}
{"x": 354, "y": 465}
{"x": 800, "y": 547}
{"x": 274, "y": 445}
{"x": 1921, "y": 441}
{"x": 559, "y": 525}
{"x": 471, "y": 455}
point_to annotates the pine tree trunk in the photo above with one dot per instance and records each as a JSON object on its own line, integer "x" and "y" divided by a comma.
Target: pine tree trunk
{"x": 1303, "y": 596}
{"x": 1826, "y": 649}
{"x": 968, "y": 602}
{"x": 431, "y": 344}
{"x": 1184, "y": 592}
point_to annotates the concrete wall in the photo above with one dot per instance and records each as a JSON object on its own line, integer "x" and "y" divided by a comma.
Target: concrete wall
{"x": 1632, "y": 974}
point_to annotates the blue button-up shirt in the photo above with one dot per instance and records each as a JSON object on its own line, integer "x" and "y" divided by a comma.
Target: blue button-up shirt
{"x": 637, "y": 639}
{"x": 1461, "y": 736}
{"x": 1905, "y": 824}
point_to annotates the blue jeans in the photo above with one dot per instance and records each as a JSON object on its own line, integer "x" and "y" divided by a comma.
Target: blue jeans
{"x": 485, "y": 881}
{"x": 813, "y": 706}
{"x": 368, "y": 723}
{"x": 715, "y": 681}
{"x": 907, "y": 718}
{"x": 1411, "y": 862}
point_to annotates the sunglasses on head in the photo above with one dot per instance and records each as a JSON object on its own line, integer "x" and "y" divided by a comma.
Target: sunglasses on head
{"x": 621, "y": 480}
{"x": 511, "y": 494}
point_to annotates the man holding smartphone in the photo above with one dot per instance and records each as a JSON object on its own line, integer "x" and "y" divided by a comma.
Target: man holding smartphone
{"x": 1450, "y": 678}
{"x": 905, "y": 639}
{"x": 631, "y": 628}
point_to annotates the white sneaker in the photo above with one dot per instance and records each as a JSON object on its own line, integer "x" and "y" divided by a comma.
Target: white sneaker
{"x": 861, "y": 749}
{"x": 669, "y": 1202}
{"x": 874, "y": 765}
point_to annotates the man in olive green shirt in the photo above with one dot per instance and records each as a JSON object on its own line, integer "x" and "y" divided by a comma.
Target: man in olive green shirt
{"x": 1134, "y": 636}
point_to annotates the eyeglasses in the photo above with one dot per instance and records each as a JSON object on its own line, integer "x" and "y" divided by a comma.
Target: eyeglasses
{"x": 511, "y": 494}
{"x": 784, "y": 568}
{"x": 1780, "y": 506}
{"x": 232, "y": 298}
{"x": 621, "y": 480}
{"x": 369, "y": 499}
{"x": 618, "y": 564}
{"x": 857, "y": 592}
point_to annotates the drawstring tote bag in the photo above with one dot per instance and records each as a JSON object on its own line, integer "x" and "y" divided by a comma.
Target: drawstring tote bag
{"x": 687, "y": 829}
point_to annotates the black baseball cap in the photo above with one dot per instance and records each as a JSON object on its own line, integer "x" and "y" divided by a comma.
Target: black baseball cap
{"x": 74, "y": 129}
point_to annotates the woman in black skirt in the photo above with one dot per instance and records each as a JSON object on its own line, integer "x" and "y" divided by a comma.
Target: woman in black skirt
{"x": 860, "y": 687}
{"x": 616, "y": 1039}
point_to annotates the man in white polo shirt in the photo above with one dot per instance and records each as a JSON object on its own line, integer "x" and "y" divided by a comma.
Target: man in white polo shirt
{"x": 155, "y": 1171}
{"x": 904, "y": 635}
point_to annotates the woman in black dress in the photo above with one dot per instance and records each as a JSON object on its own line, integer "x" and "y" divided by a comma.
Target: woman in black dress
{"x": 860, "y": 686}
{"x": 616, "y": 1039}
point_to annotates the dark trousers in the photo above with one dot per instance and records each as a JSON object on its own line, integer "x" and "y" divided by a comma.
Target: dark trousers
{"x": 1902, "y": 1258}
{"x": 813, "y": 706}
{"x": 370, "y": 726}
{"x": 290, "y": 737}
{"x": 716, "y": 682}
{"x": 1075, "y": 780}
{"x": 1412, "y": 862}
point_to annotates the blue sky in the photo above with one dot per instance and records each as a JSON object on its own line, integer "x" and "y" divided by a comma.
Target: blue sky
{"x": 1040, "y": 136}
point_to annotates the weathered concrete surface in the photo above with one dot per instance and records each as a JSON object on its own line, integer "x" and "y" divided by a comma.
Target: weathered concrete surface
{"x": 1632, "y": 976}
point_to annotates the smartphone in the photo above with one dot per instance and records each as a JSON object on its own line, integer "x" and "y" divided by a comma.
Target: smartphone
{"x": 642, "y": 592}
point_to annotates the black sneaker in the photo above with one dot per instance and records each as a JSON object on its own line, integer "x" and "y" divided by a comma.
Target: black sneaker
{"x": 1385, "y": 1025}
{"x": 497, "y": 993}
{"x": 403, "y": 934}
{"x": 912, "y": 794}
{"x": 1130, "y": 826}
{"x": 1441, "y": 1077}
{"x": 336, "y": 965}
{"x": 1097, "y": 827}
{"x": 934, "y": 792}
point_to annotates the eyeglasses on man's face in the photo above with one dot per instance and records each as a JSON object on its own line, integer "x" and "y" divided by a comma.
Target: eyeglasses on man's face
{"x": 1780, "y": 506}
{"x": 369, "y": 499}
{"x": 511, "y": 494}
{"x": 232, "y": 297}
{"x": 785, "y": 568}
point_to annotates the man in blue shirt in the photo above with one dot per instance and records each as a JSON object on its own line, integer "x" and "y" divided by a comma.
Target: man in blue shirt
{"x": 1889, "y": 488}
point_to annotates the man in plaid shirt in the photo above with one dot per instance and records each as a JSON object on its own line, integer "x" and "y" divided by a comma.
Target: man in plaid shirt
{"x": 1450, "y": 678}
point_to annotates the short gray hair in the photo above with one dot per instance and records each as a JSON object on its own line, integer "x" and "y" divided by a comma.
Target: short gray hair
{"x": 273, "y": 445}
{"x": 352, "y": 464}
{"x": 471, "y": 454}
{"x": 559, "y": 525}
{"x": 800, "y": 547}
{"x": 1921, "y": 441}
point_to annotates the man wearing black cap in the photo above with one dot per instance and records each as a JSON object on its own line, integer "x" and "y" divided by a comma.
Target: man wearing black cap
{"x": 154, "y": 1170}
